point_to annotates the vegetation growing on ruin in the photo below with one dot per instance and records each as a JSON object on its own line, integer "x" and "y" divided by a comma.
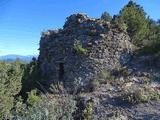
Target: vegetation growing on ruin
{"x": 24, "y": 97}
{"x": 79, "y": 48}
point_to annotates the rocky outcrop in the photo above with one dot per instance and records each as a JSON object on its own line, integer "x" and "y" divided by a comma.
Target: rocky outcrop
{"x": 76, "y": 54}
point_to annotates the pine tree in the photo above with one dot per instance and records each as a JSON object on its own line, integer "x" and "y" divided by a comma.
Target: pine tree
{"x": 10, "y": 86}
{"x": 134, "y": 17}
{"x": 106, "y": 16}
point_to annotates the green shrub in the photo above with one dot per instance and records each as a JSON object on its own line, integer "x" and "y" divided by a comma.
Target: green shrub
{"x": 105, "y": 75}
{"x": 58, "y": 107}
{"x": 142, "y": 94}
{"x": 10, "y": 86}
{"x": 134, "y": 17}
{"x": 79, "y": 49}
{"x": 57, "y": 88}
{"x": 88, "y": 112}
{"x": 120, "y": 23}
{"x": 30, "y": 77}
{"x": 33, "y": 98}
{"x": 106, "y": 17}
{"x": 149, "y": 49}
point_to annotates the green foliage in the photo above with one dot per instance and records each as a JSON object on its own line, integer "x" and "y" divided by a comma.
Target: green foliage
{"x": 151, "y": 45}
{"x": 10, "y": 85}
{"x": 17, "y": 78}
{"x": 79, "y": 49}
{"x": 103, "y": 77}
{"x": 57, "y": 87}
{"x": 142, "y": 94}
{"x": 154, "y": 33}
{"x": 149, "y": 49}
{"x": 106, "y": 17}
{"x": 120, "y": 23}
{"x": 137, "y": 23}
{"x": 30, "y": 77}
{"x": 106, "y": 75}
{"x": 52, "y": 108}
{"x": 88, "y": 112}
{"x": 33, "y": 98}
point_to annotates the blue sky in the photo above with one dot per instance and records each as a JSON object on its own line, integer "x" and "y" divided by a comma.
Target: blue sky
{"x": 22, "y": 21}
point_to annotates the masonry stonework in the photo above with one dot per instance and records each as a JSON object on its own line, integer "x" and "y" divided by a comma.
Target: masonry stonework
{"x": 81, "y": 50}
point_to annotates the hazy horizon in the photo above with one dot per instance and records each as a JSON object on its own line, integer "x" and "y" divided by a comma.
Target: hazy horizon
{"x": 23, "y": 21}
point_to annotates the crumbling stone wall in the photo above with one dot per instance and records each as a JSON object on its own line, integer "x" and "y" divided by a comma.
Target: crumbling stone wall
{"x": 77, "y": 53}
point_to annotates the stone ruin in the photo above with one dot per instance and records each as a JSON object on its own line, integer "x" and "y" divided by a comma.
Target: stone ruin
{"x": 76, "y": 54}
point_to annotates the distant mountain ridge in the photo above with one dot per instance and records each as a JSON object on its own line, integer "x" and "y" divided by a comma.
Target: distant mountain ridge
{"x": 13, "y": 57}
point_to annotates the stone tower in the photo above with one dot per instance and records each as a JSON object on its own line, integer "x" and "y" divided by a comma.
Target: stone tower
{"x": 81, "y": 50}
